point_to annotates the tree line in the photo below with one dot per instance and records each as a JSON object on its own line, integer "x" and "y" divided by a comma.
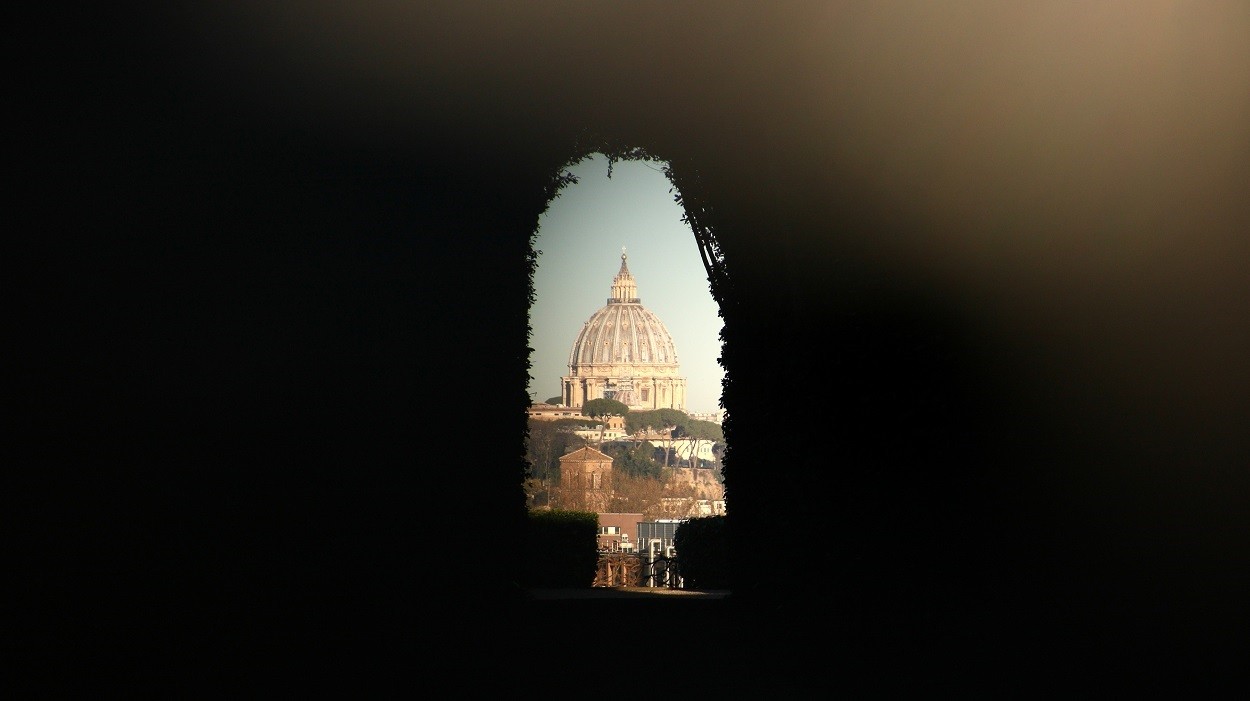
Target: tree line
{"x": 639, "y": 467}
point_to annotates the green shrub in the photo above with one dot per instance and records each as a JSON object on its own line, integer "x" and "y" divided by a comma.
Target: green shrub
{"x": 561, "y": 549}
{"x": 703, "y": 552}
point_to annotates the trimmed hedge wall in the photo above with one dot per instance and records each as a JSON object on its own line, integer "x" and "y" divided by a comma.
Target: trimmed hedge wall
{"x": 703, "y": 552}
{"x": 561, "y": 549}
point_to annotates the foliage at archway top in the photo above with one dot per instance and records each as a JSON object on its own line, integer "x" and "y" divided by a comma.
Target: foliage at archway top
{"x": 685, "y": 188}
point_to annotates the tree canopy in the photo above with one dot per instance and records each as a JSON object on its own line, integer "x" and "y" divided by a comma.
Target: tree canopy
{"x": 604, "y": 407}
{"x": 548, "y": 441}
{"x": 676, "y": 421}
{"x": 635, "y": 460}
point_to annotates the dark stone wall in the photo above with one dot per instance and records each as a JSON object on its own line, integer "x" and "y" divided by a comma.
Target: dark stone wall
{"x": 263, "y": 252}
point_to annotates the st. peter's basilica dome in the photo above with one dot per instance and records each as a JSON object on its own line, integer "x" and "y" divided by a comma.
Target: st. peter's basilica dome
{"x": 624, "y": 352}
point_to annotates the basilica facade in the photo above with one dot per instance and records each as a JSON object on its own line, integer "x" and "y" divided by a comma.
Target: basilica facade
{"x": 624, "y": 352}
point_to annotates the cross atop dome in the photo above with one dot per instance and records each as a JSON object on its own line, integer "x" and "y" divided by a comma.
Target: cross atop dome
{"x": 624, "y": 289}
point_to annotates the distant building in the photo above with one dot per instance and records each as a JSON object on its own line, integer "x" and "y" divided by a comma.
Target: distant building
{"x": 611, "y": 428}
{"x": 618, "y": 532}
{"x": 692, "y": 507}
{"x": 586, "y": 480}
{"x": 550, "y": 412}
{"x": 716, "y": 417}
{"x": 657, "y": 538}
{"x": 624, "y": 352}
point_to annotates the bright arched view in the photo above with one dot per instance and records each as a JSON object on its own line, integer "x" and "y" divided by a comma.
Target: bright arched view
{"x": 625, "y": 381}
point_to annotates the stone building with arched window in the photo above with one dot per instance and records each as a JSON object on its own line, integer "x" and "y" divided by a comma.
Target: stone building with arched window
{"x": 586, "y": 480}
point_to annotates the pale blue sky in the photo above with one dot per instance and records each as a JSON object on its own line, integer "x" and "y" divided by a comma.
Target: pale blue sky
{"x": 580, "y": 238}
